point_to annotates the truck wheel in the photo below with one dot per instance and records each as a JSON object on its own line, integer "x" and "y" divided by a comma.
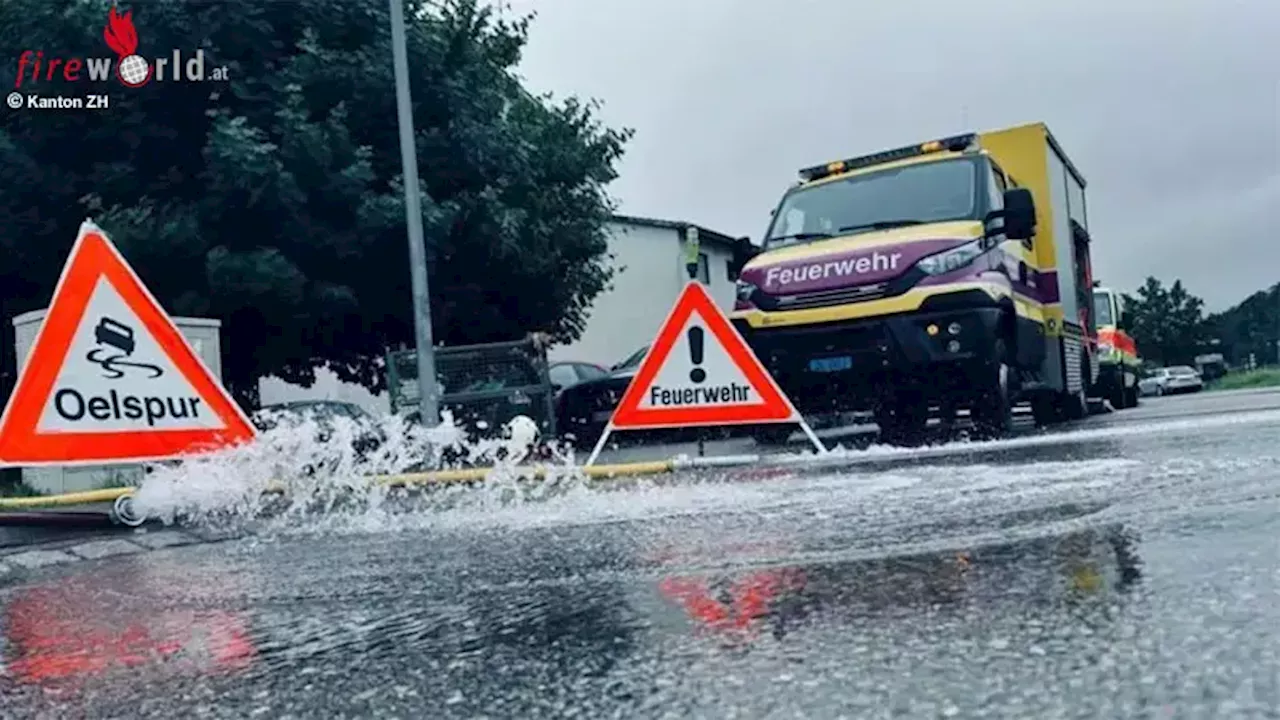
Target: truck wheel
{"x": 992, "y": 412}
{"x": 1119, "y": 397}
{"x": 1131, "y": 397}
{"x": 903, "y": 424}
{"x": 1075, "y": 406}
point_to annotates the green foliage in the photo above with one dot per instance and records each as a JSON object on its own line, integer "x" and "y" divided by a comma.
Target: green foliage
{"x": 1167, "y": 324}
{"x": 274, "y": 202}
{"x": 1250, "y": 328}
{"x": 1260, "y": 378}
{"x": 17, "y": 488}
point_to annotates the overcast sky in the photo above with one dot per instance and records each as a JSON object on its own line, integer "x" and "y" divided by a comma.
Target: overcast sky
{"x": 1170, "y": 108}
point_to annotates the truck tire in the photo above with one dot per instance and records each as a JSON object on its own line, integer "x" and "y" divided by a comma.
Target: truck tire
{"x": 1131, "y": 397}
{"x": 992, "y": 412}
{"x": 1118, "y": 397}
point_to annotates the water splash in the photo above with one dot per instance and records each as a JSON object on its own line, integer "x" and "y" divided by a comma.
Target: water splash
{"x": 302, "y": 468}
{"x": 293, "y": 481}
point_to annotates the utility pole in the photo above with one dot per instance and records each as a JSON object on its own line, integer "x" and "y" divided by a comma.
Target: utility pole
{"x": 428, "y": 405}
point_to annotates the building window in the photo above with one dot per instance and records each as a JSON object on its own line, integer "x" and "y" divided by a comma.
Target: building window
{"x": 704, "y": 269}
{"x": 729, "y": 274}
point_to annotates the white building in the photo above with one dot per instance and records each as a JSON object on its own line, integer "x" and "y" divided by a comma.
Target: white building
{"x": 649, "y": 272}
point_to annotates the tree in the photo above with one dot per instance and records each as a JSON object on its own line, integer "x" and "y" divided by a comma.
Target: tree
{"x": 274, "y": 202}
{"x": 1167, "y": 324}
{"x": 1250, "y": 328}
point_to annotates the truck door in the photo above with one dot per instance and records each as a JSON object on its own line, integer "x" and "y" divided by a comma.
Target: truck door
{"x": 1083, "y": 269}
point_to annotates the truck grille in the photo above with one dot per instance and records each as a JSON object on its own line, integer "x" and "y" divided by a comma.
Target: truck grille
{"x": 827, "y": 298}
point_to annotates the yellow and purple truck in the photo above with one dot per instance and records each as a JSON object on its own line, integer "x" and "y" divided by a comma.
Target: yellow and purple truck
{"x": 951, "y": 274}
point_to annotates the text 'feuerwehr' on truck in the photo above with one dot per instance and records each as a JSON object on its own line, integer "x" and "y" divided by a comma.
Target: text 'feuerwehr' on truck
{"x": 949, "y": 274}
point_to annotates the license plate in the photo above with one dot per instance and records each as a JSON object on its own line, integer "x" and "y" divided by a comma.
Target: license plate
{"x": 831, "y": 364}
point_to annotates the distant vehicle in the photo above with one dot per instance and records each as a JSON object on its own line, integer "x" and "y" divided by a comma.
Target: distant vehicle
{"x": 1149, "y": 385}
{"x": 1212, "y": 366}
{"x": 1118, "y": 360}
{"x": 583, "y": 409}
{"x": 369, "y": 436}
{"x": 1172, "y": 381}
{"x": 566, "y": 374}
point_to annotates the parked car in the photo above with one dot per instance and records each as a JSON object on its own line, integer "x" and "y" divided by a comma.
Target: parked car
{"x": 369, "y": 436}
{"x": 584, "y": 408}
{"x": 1172, "y": 381}
{"x": 566, "y": 374}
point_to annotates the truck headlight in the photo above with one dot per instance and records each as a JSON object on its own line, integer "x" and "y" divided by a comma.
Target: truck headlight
{"x": 953, "y": 259}
{"x": 744, "y": 290}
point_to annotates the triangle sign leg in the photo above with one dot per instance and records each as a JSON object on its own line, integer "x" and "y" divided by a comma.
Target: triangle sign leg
{"x": 110, "y": 378}
{"x": 700, "y": 372}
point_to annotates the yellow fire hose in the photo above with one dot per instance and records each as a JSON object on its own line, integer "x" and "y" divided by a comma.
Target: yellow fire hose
{"x": 419, "y": 479}
{"x": 87, "y": 497}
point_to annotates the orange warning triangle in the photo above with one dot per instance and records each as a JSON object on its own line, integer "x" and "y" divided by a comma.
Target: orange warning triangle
{"x": 110, "y": 378}
{"x": 699, "y": 371}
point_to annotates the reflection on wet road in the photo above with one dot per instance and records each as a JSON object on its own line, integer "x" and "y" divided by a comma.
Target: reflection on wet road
{"x": 1129, "y": 575}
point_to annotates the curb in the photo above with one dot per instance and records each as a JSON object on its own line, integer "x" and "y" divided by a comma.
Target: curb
{"x": 18, "y": 561}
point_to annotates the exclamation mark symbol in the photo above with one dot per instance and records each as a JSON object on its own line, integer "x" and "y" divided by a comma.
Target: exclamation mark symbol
{"x": 697, "y": 374}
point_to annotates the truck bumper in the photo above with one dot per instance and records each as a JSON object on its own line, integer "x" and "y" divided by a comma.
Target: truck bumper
{"x": 853, "y": 365}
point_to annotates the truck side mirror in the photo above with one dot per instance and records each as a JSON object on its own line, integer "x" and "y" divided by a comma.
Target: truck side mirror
{"x": 1019, "y": 214}
{"x": 743, "y": 251}
{"x": 1122, "y": 321}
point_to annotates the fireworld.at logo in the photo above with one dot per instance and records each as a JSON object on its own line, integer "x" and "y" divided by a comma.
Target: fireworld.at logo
{"x": 128, "y": 66}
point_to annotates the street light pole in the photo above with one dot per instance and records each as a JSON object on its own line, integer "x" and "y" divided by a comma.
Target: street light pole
{"x": 428, "y": 407}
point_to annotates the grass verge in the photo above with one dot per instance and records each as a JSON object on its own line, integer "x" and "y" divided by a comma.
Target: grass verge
{"x": 17, "y": 489}
{"x": 1262, "y": 377}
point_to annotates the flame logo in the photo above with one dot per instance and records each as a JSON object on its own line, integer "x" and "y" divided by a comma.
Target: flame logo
{"x": 120, "y": 34}
{"x": 132, "y": 69}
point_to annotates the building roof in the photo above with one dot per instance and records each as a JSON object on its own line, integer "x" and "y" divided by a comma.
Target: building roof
{"x": 704, "y": 234}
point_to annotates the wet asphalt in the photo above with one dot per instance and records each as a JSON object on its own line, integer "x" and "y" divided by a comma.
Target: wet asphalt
{"x": 1124, "y": 568}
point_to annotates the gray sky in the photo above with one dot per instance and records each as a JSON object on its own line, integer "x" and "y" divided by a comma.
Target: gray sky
{"x": 1170, "y": 108}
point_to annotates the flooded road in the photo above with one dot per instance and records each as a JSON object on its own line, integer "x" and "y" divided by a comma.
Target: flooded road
{"x": 1124, "y": 570}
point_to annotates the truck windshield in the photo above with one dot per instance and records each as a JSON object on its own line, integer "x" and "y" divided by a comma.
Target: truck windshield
{"x": 1102, "y": 309}
{"x": 914, "y": 194}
